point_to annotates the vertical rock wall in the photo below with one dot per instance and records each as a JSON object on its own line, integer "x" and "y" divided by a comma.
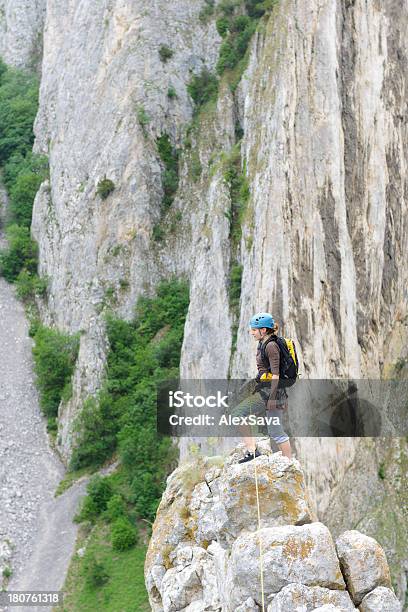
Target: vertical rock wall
{"x": 103, "y": 101}
{"x": 325, "y": 230}
{"x": 21, "y": 32}
{"x": 323, "y": 103}
{"x": 323, "y": 109}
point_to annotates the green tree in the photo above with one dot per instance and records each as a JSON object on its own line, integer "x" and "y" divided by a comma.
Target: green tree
{"x": 18, "y": 108}
{"x": 165, "y": 53}
{"x": 22, "y": 253}
{"x": 170, "y": 158}
{"x": 203, "y": 87}
{"x": 96, "y": 574}
{"x": 3, "y": 70}
{"x": 22, "y": 196}
{"x": 142, "y": 353}
{"x": 123, "y": 534}
{"x": 55, "y": 355}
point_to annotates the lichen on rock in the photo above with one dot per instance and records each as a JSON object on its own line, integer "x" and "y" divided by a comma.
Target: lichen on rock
{"x": 363, "y": 563}
{"x": 208, "y": 548}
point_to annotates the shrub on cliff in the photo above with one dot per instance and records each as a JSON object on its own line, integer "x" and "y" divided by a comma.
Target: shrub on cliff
{"x": 235, "y": 285}
{"x": 228, "y": 6}
{"x": 22, "y": 196}
{"x": 256, "y": 9}
{"x": 222, "y": 26}
{"x": 3, "y": 69}
{"x": 165, "y": 53}
{"x": 21, "y": 254}
{"x": 203, "y": 87}
{"x": 142, "y": 352}
{"x": 97, "y": 427}
{"x": 235, "y": 45}
{"x": 99, "y": 491}
{"x": 55, "y": 354}
{"x": 29, "y": 285}
{"x": 18, "y": 108}
{"x": 237, "y": 31}
{"x": 22, "y": 176}
{"x": 143, "y": 119}
{"x": 206, "y": 11}
{"x": 115, "y": 508}
{"x": 22, "y": 173}
{"x": 171, "y": 93}
{"x": 105, "y": 187}
{"x": 235, "y": 177}
{"x": 170, "y": 178}
{"x": 228, "y": 56}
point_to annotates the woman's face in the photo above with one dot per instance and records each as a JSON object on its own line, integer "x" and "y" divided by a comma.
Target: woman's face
{"x": 256, "y": 333}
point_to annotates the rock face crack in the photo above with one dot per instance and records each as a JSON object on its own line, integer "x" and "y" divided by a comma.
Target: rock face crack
{"x": 208, "y": 485}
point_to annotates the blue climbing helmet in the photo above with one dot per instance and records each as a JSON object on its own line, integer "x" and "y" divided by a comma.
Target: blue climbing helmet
{"x": 262, "y": 319}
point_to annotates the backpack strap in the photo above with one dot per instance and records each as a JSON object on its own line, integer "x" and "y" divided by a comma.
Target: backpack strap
{"x": 263, "y": 345}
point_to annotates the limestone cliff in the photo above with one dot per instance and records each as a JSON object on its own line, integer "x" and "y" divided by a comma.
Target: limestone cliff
{"x": 322, "y": 108}
{"x": 21, "y": 32}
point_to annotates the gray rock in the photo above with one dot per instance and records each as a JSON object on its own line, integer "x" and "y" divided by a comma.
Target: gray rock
{"x": 180, "y": 587}
{"x": 157, "y": 573}
{"x": 233, "y": 505}
{"x": 363, "y": 563}
{"x": 6, "y": 550}
{"x": 21, "y": 32}
{"x": 248, "y": 606}
{"x": 328, "y": 608}
{"x": 307, "y": 598}
{"x": 304, "y": 554}
{"x": 190, "y": 581}
{"x": 380, "y": 599}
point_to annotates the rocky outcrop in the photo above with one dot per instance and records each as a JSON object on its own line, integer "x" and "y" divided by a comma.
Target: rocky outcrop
{"x": 203, "y": 556}
{"x": 21, "y": 32}
{"x": 380, "y": 599}
{"x": 226, "y": 504}
{"x": 327, "y": 608}
{"x": 322, "y": 103}
{"x": 300, "y": 554}
{"x": 363, "y": 564}
{"x": 311, "y": 598}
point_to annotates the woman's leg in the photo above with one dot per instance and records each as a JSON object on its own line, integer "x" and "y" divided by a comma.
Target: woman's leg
{"x": 248, "y": 439}
{"x": 252, "y": 404}
{"x": 277, "y": 432}
{"x": 285, "y": 448}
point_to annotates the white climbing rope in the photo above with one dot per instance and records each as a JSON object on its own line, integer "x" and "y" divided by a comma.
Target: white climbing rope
{"x": 259, "y": 535}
